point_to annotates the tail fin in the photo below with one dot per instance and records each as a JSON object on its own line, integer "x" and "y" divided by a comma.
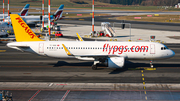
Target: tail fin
{"x": 21, "y": 29}
{"x": 24, "y": 11}
{"x": 58, "y": 13}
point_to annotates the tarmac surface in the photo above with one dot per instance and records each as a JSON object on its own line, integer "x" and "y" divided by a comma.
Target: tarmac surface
{"x": 166, "y": 26}
{"x": 68, "y": 95}
{"x": 31, "y": 77}
{"x": 16, "y": 66}
{"x": 69, "y": 31}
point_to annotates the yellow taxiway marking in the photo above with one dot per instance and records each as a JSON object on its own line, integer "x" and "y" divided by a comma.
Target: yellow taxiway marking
{"x": 143, "y": 83}
{"x": 144, "y": 87}
{"x": 81, "y": 19}
{"x": 142, "y": 69}
{"x": 149, "y": 68}
{"x": 2, "y": 50}
{"x": 146, "y": 97}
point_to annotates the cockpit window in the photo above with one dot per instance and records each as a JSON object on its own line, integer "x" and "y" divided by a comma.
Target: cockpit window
{"x": 164, "y": 48}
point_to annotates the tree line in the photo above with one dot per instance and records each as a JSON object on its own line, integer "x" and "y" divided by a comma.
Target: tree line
{"x": 142, "y": 2}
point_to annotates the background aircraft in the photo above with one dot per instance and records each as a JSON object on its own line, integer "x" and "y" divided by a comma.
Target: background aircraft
{"x": 36, "y": 19}
{"x": 23, "y": 12}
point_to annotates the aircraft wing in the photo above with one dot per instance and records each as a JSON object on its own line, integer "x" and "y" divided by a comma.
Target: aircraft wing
{"x": 89, "y": 56}
{"x": 96, "y": 56}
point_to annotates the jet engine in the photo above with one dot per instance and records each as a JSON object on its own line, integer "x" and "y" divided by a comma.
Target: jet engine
{"x": 115, "y": 62}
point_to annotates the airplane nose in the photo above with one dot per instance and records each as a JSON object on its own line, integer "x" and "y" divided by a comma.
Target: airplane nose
{"x": 169, "y": 53}
{"x": 172, "y": 53}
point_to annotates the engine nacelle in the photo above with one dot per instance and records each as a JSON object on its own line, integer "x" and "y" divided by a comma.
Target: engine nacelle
{"x": 115, "y": 62}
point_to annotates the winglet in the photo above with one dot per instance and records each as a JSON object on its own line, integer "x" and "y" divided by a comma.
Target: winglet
{"x": 21, "y": 29}
{"x": 79, "y": 37}
{"x": 66, "y": 50}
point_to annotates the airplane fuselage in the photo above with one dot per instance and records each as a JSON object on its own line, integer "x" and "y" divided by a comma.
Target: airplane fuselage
{"x": 128, "y": 50}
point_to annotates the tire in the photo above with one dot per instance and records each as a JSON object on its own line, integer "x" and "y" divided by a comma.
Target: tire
{"x": 152, "y": 66}
{"x": 94, "y": 67}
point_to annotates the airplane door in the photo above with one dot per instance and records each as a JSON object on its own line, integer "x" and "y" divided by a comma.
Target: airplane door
{"x": 152, "y": 49}
{"x": 41, "y": 47}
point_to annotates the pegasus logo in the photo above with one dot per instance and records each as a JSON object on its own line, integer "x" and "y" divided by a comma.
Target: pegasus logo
{"x": 27, "y": 29}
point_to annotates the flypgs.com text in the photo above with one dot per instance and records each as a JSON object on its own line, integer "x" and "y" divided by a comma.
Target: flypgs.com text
{"x": 123, "y": 48}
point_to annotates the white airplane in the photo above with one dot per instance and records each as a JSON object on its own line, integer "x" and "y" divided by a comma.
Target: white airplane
{"x": 36, "y": 19}
{"x": 113, "y": 54}
{"x": 23, "y": 12}
{"x": 5, "y": 29}
{"x": 5, "y": 26}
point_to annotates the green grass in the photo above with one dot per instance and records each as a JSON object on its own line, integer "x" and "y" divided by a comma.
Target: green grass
{"x": 98, "y": 5}
{"x": 160, "y": 18}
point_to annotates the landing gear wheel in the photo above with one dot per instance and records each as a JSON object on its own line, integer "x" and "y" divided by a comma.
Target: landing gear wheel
{"x": 152, "y": 66}
{"x": 94, "y": 67}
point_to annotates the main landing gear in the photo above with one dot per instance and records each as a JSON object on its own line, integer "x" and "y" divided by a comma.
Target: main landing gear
{"x": 151, "y": 64}
{"x": 94, "y": 66}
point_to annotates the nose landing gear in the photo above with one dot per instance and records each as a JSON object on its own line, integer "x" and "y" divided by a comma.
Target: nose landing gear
{"x": 151, "y": 64}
